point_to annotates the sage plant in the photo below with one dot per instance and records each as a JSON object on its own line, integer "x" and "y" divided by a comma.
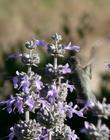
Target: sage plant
{"x": 100, "y": 131}
{"x": 46, "y": 99}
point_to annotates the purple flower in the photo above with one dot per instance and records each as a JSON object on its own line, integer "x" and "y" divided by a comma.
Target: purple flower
{"x": 64, "y": 108}
{"x": 89, "y": 104}
{"x": 52, "y": 93}
{"x": 40, "y": 43}
{"x": 12, "y": 134}
{"x": 51, "y": 100}
{"x": 44, "y": 131}
{"x": 35, "y": 43}
{"x": 72, "y": 136}
{"x": 9, "y": 104}
{"x": 70, "y": 110}
{"x": 108, "y": 65}
{"x": 21, "y": 81}
{"x": 25, "y": 84}
{"x": 19, "y": 104}
{"x": 15, "y": 81}
{"x": 16, "y": 103}
{"x": 78, "y": 112}
{"x": 37, "y": 83}
{"x": 29, "y": 102}
{"x": 14, "y": 55}
{"x": 66, "y": 69}
{"x": 44, "y": 134}
{"x": 45, "y": 137}
{"x": 71, "y": 87}
{"x": 44, "y": 103}
{"x": 71, "y": 47}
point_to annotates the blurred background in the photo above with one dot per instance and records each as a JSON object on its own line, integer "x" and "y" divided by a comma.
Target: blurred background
{"x": 85, "y": 23}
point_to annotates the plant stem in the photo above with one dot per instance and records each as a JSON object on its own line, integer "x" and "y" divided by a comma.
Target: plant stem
{"x": 50, "y": 136}
{"x": 27, "y": 116}
{"x": 55, "y": 63}
{"x": 55, "y": 57}
{"x": 29, "y": 70}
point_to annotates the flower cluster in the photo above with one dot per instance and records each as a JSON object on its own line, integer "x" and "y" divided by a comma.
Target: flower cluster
{"x": 101, "y": 111}
{"x": 59, "y": 49}
{"x": 45, "y": 97}
{"x": 99, "y": 132}
{"x": 46, "y": 100}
